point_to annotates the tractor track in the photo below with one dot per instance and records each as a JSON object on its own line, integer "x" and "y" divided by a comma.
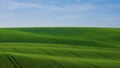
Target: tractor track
{"x": 93, "y": 65}
{"x": 14, "y": 61}
{"x": 59, "y": 65}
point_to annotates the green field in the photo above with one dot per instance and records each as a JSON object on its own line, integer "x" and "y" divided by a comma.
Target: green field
{"x": 60, "y": 47}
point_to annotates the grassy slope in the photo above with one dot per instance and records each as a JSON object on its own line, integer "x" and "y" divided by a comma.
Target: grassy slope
{"x": 60, "y": 48}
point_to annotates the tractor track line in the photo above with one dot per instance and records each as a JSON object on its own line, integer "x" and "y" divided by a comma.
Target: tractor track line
{"x": 59, "y": 65}
{"x": 75, "y": 54}
{"x": 15, "y": 66}
{"x": 107, "y": 57}
{"x": 15, "y": 63}
{"x": 93, "y": 65}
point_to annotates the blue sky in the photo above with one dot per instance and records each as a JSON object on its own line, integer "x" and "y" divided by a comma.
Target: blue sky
{"x": 85, "y": 13}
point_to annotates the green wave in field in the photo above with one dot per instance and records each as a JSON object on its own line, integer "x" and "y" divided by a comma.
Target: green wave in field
{"x": 59, "y": 47}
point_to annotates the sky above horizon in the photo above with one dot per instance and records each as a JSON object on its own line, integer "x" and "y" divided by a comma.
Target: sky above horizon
{"x": 85, "y": 13}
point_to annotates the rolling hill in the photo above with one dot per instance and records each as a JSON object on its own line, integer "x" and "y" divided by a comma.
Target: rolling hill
{"x": 60, "y": 47}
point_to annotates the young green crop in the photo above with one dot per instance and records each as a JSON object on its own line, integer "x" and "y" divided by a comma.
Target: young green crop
{"x": 64, "y": 47}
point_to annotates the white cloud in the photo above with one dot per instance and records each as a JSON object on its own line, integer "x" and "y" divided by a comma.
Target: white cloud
{"x": 15, "y": 5}
{"x": 70, "y": 8}
{"x": 6, "y": 5}
{"x": 11, "y": 4}
{"x": 68, "y": 17}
